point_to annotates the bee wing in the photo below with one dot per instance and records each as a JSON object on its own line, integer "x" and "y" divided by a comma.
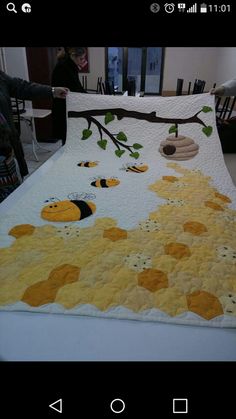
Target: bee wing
{"x": 83, "y": 195}
{"x": 73, "y": 196}
{"x": 90, "y": 196}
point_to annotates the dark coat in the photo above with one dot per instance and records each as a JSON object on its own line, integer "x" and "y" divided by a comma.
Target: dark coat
{"x": 65, "y": 74}
{"x": 21, "y": 89}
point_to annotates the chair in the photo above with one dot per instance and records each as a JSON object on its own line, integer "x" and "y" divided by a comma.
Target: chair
{"x": 131, "y": 86}
{"x": 179, "y": 87}
{"x": 84, "y": 82}
{"x": 189, "y": 87}
{"x": 226, "y": 125}
{"x": 224, "y": 107}
{"x": 198, "y": 86}
{"x": 99, "y": 86}
{"x": 18, "y": 108}
{"x": 108, "y": 88}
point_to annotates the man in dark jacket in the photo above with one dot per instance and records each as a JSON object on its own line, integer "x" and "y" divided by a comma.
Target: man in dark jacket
{"x": 11, "y": 87}
{"x": 66, "y": 73}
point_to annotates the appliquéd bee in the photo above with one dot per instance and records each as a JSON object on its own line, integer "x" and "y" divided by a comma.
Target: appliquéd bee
{"x": 136, "y": 168}
{"x": 105, "y": 182}
{"x": 72, "y": 209}
{"x": 87, "y": 163}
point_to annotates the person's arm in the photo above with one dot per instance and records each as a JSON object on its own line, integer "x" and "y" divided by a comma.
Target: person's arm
{"x": 25, "y": 90}
{"x": 230, "y": 88}
{"x": 226, "y": 89}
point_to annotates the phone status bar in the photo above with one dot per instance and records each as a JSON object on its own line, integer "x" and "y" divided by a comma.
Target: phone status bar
{"x": 184, "y": 8}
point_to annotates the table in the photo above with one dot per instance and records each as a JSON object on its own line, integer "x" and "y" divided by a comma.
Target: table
{"x": 28, "y": 117}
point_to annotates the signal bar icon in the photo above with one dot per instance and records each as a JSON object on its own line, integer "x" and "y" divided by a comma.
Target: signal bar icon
{"x": 192, "y": 9}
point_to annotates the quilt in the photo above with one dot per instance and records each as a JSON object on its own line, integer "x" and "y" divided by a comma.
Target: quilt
{"x": 136, "y": 219}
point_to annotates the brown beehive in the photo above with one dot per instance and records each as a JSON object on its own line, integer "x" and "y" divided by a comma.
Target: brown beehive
{"x": 178, "y": 148}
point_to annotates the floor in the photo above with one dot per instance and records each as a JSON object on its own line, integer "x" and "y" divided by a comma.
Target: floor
{"x": 43, "y": 154}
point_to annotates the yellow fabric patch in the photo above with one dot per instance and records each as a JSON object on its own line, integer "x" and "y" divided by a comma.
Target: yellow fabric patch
{"x": 22, "y": 230}
{"x": 152, "y": 279}
{"x": 214, "y": 205}
{"x": 170, "y": 178}
{"x": 115, "y": 233}
{"x": 223, "y": 198}
{"x": 45, "y": 292}
{"x": 204, "y": 304}
{"x": 194, "y": 228}
{"x": 177, "y": 250}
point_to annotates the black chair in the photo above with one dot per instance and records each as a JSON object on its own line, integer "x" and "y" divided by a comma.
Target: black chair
{"x": 179, "y": 87}
{"x": 99, "y": 86}
{"x": 18, "y": 108}
{"x": 198, "y": 86}
{"x": 226, "y": 125}
{"x": 131, "y": 86}
{"x": 84, "y": 82}
{"x": 189, "y": 88}
{"x": 224, "y": 107}
{"x": 108, "y": 88}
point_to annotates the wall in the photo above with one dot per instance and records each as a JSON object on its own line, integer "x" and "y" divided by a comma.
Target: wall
{"x": 96, "y": 66}
{"x": 226, "y": 69}
{"x": 16, "y": 62}
{"x": 16, "y": 66}
{"x": 190, "y": 64}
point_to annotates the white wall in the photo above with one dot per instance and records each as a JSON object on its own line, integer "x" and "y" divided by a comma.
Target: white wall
{"x": 212, "y": 64}
{"x": 190, "y": 64}
{"x": 16, "y": 66}
{"x": 226, "y": 69}
{"x": 96, "y": 66}
{"x": 16, "y": 62}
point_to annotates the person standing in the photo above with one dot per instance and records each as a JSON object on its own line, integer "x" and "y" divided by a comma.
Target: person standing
{"x": 12, "y": 87}
{"x": 66, "y": 73}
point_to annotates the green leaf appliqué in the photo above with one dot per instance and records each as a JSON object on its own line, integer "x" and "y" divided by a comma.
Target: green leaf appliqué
{"x": 134, "y": 155}
{"x": 86, "y": 134}
{"x": 102, "y": 144}
{"x": 109, "y": 117}
{"x": 207, "y": 130}
{"x": 172, "y": 129}
{"x": 137, "y": 146}
{"x": 121, "y": 136}
{"x": 119, "y": 152}
{"x": 206, "y": 109}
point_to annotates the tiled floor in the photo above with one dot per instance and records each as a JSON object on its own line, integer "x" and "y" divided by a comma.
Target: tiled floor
{"x": 230, "y": 159}
{"x": 43, "y": 155}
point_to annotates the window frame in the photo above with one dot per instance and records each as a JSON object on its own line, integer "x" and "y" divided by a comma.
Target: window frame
{"x": 143, "y": 69}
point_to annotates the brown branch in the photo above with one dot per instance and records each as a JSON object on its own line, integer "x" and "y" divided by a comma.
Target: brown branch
{"x": 149, "y": 117}
{"x": 114, "y": 140}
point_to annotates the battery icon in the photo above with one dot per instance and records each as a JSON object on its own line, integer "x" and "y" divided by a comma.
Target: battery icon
{"x": 203, "y": 8}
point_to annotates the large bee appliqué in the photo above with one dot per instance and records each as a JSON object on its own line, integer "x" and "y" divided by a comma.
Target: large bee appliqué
{"x": 105, "y": 183}
{"x": 73, "y": 209}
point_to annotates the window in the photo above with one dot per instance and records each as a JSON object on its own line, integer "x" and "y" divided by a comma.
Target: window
{"x": 143, "y": 65}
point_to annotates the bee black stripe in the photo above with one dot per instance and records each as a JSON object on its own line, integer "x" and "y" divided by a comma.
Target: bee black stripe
{"x": 134, "y": 169}
{"x": 84, "y": 208}
{"x": 103, "y": 183}
{"x": 86, "y": 164}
